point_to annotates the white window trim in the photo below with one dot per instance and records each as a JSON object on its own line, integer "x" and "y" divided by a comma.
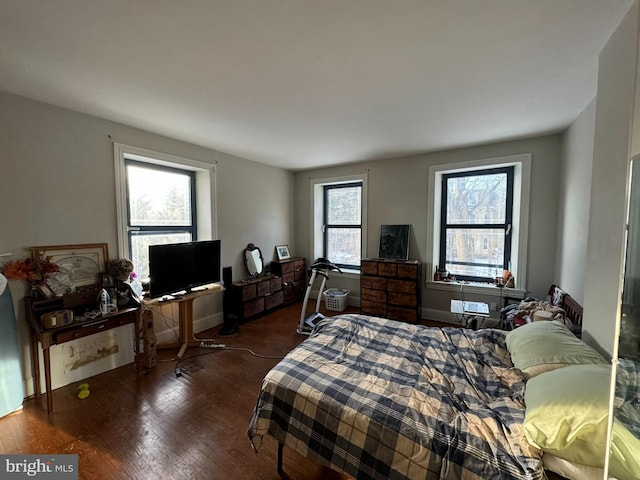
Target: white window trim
{"x": 317, "y": 205}
{"x": 521, "y": 194}
{"x": 205, "y": 189}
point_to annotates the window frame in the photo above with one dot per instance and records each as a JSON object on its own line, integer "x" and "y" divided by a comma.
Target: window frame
{"x": 191, "y": 229}
{"x": 326, "y": 225}
{"x": 521, "y": 202}
{"x": 205, "y": 190}
{"x": 316, "y": 214}
{"x": 506, "y": 226}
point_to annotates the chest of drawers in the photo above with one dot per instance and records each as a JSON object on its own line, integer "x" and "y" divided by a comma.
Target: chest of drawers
{"x": 391, "y": 289}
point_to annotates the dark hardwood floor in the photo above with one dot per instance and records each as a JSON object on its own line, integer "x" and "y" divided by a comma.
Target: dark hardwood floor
{"x": 160, "y": 425}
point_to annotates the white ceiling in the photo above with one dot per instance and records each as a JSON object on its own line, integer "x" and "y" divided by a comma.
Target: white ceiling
{"x": 305, "y": 83}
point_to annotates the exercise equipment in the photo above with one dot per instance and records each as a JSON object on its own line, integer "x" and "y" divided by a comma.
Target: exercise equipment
{"x": 320, "y": 268}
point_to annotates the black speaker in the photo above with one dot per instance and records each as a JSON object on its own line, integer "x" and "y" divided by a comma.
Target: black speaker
{"x": 229, "y": 326}
{"x": 226, "y": 276}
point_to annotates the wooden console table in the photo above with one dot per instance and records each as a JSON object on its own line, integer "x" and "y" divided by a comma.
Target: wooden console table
{"x": 56, "y": 336}
{"x": 186, "y": 335}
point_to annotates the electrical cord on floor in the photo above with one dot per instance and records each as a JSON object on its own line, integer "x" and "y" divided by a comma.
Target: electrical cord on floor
{"x": 179, "y": 370}
{"x": 226, "y": 347}
{"x": 215, "y": 347}
{"x": 167, "y": 359}
{"x": 254, "y": 353}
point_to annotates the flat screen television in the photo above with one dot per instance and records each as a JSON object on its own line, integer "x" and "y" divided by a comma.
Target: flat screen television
{"x": 178, "y": 267}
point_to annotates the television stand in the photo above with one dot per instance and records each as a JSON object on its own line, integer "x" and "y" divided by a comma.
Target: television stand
{"x": 186, "y": 334}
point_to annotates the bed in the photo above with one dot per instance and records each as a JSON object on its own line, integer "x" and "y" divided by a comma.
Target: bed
{"x": 558, "y": 304}
{"x": 380, "y": 399}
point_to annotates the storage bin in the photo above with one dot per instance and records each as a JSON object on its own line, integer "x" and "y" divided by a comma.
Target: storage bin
{"x": 335, "y": 299}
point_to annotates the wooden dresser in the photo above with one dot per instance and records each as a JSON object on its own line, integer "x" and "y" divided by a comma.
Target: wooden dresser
{"x": 294, "y": 278}
{"x": 391, "y": 289}
{"x": 254, "y": 296}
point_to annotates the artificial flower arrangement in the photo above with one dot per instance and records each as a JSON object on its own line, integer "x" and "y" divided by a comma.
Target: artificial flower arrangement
{"x": 34, "y": 270}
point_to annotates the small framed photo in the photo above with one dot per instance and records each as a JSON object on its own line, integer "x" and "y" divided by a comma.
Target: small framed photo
{"x": 45, "y": 291}
{"x": 283, "y": 252}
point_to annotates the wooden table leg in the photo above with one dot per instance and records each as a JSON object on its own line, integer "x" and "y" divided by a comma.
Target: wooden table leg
{"x": 35, "y": 365}
{"x": 138, "y": 334}
{"x": 186, "y": 335}
{"x": 47, "y": 379}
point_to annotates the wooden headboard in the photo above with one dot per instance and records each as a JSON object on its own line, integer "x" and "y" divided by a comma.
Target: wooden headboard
{"x": 573, "y": 309}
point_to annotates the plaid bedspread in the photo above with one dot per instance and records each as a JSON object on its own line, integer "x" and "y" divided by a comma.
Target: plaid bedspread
{"x": 380, "y": 399}
{"x": 627, "y": 397}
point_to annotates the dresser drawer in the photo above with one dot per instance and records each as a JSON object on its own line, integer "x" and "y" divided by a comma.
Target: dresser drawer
{"x": 408, "y": 270}
{"x": 403, "y": 299}
{"x": 288, "y": 277}
{"x": 90, "y": 329}
{"x": 273, "y": 300}
{"x": 253, "y": 307}
{"x": 276, "y": 284}
{"x": 291, "y": 293}
{"x": 373, "y": 282}
{"x": 299, "y": 274}
{"x": 387, "y": 269}
{"x": 287, "y": 267}
{"x": 373, "y": 308}
{"x": 373, "y": 295}
{"x": 368, "y": 268}
{"x": 404, "y": 314}
{"x": 248, "y": 292}
{"x": 401, "y": 286}
{"x": 264, "y": 288}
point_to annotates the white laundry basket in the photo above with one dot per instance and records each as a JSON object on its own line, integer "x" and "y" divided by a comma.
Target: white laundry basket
{"x": 335, "y": 299}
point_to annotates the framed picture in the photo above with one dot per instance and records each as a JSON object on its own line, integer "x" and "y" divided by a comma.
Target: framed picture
{"x": 394, "y": 242}
{"x": 78, "y": 265}
{"x": 45, "y": 291}
{"x": 283, "y": 252}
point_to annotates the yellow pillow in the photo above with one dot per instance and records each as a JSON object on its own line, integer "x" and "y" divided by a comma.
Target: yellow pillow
{"x": 566, "y": 413}
{"x": 624, "y": 455}
{"x": 542, "y": 346}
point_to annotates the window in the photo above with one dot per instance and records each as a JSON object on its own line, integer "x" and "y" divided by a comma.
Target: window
{"x": 160, "y": 209}
{"x": 343, "y": 224}
{"x": 339, "y": 226}
{"x": 476, "y": 222}
{"x": 161, "y": 199}
{"x": 481, "y": 235}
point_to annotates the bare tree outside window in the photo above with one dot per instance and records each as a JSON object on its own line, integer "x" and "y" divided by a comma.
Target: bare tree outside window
{"x": 476, "y": 223}
{"x": 160, "y": 210}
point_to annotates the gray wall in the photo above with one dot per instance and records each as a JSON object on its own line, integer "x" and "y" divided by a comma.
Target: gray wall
{"x": 607, "y": 214}
{"x": 398, "y": 190}
{"x": 57, "y": 187}
{"x": 574, "y": 202}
